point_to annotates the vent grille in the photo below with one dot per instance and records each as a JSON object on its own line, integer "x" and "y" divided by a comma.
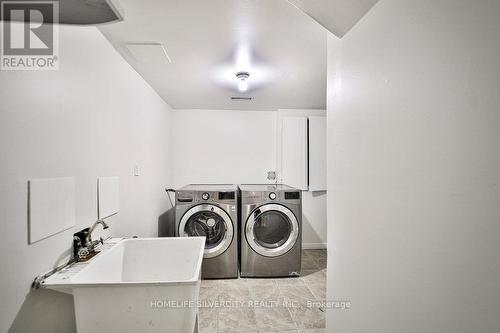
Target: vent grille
{"x": 149, "y": 52}
{"x": 241, "y": 98}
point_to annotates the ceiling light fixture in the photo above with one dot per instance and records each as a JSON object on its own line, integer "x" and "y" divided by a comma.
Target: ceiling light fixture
{"x": 242, "y": 81}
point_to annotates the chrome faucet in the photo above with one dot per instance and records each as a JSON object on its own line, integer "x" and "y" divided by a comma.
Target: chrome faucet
{"x": 104, "y": 227}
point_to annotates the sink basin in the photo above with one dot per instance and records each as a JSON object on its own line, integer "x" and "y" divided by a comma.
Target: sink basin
{"x": 140, "y": 285}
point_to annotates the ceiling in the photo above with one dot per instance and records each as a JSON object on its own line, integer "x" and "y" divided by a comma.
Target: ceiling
{"x": 338, "y": 16}
{"x": 189, "y": 51}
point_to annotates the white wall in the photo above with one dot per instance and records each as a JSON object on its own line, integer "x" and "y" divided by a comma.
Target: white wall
{"x": 94, "y": 117}
{"x": 231, "y": 146}
{"x": 223, "y": 146}
{"x": 414, "y": 169}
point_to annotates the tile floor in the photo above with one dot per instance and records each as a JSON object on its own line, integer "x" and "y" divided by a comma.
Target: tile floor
{"x": 267, "y": 305}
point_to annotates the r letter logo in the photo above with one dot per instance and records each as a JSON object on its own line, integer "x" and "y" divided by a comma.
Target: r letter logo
{"x": 29, "y": 35}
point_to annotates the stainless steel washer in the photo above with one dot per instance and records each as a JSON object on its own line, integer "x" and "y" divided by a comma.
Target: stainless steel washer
{"x": 271, "y": 231}
{"x": 211, "y": 211}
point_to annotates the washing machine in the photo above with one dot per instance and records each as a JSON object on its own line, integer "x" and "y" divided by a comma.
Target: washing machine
{"x": 211, "y": 211}
{"x": 271, "y": 231}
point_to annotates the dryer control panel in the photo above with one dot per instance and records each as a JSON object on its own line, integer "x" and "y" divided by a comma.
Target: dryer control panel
{"x": 272, "y": 195}
{"x": 205, "y": 196}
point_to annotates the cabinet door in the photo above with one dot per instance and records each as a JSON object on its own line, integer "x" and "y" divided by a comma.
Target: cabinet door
{"x": 294, "y": 152}
{"x": 317, "y": 153}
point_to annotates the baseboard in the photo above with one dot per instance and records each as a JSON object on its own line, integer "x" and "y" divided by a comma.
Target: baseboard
{"x": 313, "y": 246}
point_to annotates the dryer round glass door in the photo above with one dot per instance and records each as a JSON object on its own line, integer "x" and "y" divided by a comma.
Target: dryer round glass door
{"x": 272, "y": 230}
{"x": 211, "y": 222}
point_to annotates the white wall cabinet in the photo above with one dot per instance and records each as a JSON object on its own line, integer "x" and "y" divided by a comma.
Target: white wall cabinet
{"x": 294, "y": 152}
{"x": 317, "y": 153}
{"x": 303, "y": 152}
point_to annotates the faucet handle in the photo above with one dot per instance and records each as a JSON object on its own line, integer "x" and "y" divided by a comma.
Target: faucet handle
{"x": 77, "y": 240}
{"x": 83, "y": 253}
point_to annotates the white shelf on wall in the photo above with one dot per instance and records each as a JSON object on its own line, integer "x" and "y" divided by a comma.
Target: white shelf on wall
{"x": 52, "y": 207}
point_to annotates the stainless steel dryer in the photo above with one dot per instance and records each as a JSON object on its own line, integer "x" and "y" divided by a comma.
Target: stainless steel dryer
{"x": 211, "y": 211}
{"x": 271, "y": 231}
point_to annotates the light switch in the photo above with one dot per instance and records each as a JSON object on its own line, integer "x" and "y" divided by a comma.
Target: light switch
{"x": 136, "y": 171}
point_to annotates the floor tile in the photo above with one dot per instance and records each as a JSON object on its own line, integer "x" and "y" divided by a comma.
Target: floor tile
{"x": 322, "y": 262}
{"x": 209, "y": 283}
{"x": 308, "y": 317}
{"x": 309, "y": 263}
{"x": 209, "y": 294}
{"x": 277, "y": 318}
{"x": 231, "y": 282}
{"x": 258, "y": 281}
{"x": 207, "y": 320}
{"x": 305, "y": 253}
{"x": 306, "y": 272}
{"x": 319, "y": 292}
{"x": 266, "y": 292}
{"x": 316, "y": 283}
{"x": 289, "y": 281}
{"x": 236, "y": 319}
{"x": 234, "y": 293}
{"x": 275, "y": 305}
{"x": 298, "y": 295}
{"x": 314, "y": 276}
{"x": 316, "y": 254}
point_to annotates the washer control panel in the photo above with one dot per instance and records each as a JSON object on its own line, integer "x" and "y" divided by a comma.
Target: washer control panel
{"x": 184, "y": 196}
{"x": 215, "y": 196}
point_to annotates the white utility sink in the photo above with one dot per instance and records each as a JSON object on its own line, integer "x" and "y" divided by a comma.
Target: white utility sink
{"x": 139, "y": 285}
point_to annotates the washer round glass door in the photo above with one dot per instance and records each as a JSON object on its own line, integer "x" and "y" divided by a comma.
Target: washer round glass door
{"x": 272, "y": 230}
{"x": 211, "y": 222}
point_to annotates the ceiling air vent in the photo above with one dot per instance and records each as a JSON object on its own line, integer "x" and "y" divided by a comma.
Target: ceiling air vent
{"x": 241, "y": 98}
{"x": 148, "y": 52}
